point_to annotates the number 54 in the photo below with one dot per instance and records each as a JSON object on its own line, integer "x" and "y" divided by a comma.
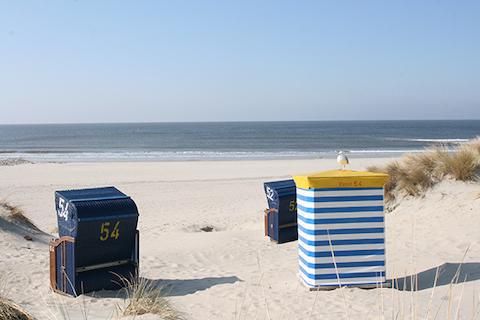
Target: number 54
{"x": 292, "y": 206}
{"x": 105, "y": 233}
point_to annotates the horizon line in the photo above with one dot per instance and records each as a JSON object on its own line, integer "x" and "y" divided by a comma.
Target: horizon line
{"x": 225, "y": 121}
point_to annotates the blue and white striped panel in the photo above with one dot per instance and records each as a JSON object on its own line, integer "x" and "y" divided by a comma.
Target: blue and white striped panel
{"x": 348, "y": 222}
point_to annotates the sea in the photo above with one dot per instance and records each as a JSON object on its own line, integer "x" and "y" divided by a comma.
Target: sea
{"x": 227, "y": 140}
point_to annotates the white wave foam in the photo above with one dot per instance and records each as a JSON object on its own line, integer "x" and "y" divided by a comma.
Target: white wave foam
{"x": 387, "y": 151}
{"x": 189, "y": 155}
{"x": 456, "y": 140}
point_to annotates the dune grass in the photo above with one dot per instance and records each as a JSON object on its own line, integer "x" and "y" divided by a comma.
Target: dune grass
{"x": 144, "y": 296}
{"x": 141, "y": 297}
{"x": 8, "y": 309}
{"x": 416, "y": 173}
{"x": 11, "y": 311}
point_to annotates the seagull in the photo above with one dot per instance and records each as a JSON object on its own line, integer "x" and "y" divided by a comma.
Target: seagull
{"x": 342, "y": 159}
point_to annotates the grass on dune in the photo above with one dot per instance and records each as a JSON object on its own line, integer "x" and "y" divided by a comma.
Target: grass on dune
{"x": 144, "y": 296}
{"x": 11, "y": 311}
{"x": 8, "y": 309}
{"x": 416, "y": 173}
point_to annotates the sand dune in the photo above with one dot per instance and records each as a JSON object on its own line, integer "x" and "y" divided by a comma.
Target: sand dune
{"x": 233, "y": 272}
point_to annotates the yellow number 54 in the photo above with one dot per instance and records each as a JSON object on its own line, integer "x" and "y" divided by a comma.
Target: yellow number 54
{"x": 292, "y": 206}
{"x": 105, "y": 233}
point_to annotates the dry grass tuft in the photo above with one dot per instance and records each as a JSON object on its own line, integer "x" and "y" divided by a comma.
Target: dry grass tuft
{"x": 11, "y": 311}
{"x": 416, "y": 173}
{"x": 16, "y": 214}
{"x": 144, "y": 296}
{"x": 474, "y": 145}
{"x": 8, "y": 309}
{"x": 462, "y": 165}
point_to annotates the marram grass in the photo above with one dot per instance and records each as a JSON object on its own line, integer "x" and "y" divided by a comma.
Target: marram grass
{"x": 145, "y": 296}
{"x": 416, "y": 173}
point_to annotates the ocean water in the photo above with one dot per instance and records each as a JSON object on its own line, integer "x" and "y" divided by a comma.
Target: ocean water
{"x": 227, "y": 140}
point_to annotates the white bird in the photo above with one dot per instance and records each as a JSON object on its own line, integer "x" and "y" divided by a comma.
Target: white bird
{"x": 342, "y": 159}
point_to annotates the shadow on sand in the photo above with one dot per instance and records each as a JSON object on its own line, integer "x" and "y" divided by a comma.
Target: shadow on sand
{"x": 173, "y": 288}
{"x": 447, "y": 273}
{"x": 8, "y": 225}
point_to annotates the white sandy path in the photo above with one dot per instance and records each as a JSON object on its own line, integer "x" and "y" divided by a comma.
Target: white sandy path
{"x": 234, "y": 273}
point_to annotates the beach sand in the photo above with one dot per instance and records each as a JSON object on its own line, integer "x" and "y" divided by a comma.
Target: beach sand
{"x": 234, "y": 272}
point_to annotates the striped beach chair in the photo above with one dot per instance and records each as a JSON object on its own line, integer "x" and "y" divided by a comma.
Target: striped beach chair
{"x": 341, "y": 229}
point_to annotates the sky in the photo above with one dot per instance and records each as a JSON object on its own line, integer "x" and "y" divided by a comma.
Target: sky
{"x": 168, "y": 61}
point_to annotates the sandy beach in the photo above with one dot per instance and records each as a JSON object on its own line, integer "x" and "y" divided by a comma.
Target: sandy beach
{"x": 234, "y": 272}
{"x": 185, "y": 109}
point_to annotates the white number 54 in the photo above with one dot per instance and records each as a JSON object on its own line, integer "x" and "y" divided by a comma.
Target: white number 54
{"x": 270, "y": 193}
{"x": 62, "y": 209}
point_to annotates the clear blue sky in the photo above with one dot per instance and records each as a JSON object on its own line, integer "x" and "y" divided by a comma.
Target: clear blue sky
{"x": 127, "y": 61}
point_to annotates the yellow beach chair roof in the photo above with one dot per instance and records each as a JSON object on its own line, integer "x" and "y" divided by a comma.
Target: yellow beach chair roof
{"x": 341, "y": 179}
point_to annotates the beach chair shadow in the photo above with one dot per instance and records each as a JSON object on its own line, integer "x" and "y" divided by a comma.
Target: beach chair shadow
{"x": 447, "y": 273}
{"x": 173, "y": 287}
{"x": 183, "y": 287}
